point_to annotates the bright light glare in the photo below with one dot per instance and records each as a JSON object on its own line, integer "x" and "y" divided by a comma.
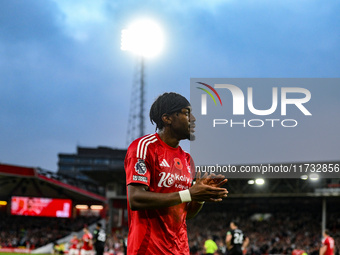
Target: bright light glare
{"x": 82, "y": 207}
{"x": 251, "y": 182}
{"x": 304, "y": 177}
{"x": 96, "y": 207}
{"x": 259, "y": 181}
{"x": 143, "y": 37}
{"x": 314, "y": 177}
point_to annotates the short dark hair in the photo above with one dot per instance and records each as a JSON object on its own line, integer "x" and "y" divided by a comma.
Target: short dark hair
{"x": 166, "y": 103}
{"x": 99, "y": 224}
{"x": 235, "y": 222}
{"x": 327, "y": 232}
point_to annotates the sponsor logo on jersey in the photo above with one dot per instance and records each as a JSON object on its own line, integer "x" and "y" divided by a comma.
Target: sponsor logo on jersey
{"x": 164, "y": 163}
{"x": 140, "y": 167}
{"x": 189, "y": 169}
{"x": 140, "y": 178}
{"x": 168, "y": 179}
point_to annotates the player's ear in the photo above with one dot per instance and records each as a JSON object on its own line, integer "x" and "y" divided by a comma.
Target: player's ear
{"x": 166, "y": 119}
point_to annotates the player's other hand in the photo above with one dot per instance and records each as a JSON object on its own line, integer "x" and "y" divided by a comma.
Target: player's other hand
{"x": 208, "y": 188}
{"x": 212, "y": 179}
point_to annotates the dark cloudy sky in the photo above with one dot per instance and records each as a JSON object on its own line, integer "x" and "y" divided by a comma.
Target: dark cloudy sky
{"x": 64, "y": 81}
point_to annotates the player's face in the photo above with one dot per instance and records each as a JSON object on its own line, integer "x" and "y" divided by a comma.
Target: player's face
{"x": 29, "y": 203}
{"x": 183, "y": 124}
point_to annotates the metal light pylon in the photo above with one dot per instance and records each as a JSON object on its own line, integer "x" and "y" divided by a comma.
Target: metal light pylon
{"x": 136, "y": 126}
{"x": 144, "y": 37}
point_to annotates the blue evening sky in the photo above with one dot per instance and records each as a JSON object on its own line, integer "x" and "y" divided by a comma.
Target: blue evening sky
{"x": 65, "y": 82}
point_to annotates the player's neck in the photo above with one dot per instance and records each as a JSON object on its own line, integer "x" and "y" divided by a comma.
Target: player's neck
{"x": 167, "y": 138}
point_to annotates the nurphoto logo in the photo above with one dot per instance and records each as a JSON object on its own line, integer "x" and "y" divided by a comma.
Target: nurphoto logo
{"x": 279, "y": 101}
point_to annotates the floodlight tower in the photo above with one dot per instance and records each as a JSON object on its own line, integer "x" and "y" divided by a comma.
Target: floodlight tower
{"x": 145, "y": 39}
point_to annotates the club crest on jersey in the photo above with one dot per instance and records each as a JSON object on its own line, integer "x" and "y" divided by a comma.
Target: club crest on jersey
{"x": 140, "y": 167}
{"x": 178, "y": 163}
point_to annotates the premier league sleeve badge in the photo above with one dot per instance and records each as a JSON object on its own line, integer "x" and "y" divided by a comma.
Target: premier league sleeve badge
{"x": 140, "y": 167}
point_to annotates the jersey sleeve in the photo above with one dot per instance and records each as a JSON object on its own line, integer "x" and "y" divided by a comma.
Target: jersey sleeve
{"x": 326, "y": 241}
{"x": 215, "y": 246}
{"x": 136, "y": 168}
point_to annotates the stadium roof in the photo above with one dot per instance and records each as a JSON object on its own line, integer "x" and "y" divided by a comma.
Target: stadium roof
{"x": 35, "y": 182}
{"x": 102, "y": 165}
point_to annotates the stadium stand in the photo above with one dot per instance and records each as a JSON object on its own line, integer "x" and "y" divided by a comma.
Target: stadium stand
{"x": 280, "y": 226}
{"x": 34, "y": 232}
{"x": 31, "y": 232}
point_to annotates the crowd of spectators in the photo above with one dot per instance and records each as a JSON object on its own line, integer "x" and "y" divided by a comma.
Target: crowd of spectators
{"x": 271, "y": 233}
{"x": 279, "y": 233}
{"x": 117, "y": 241}
{"x": 33, "y": 232}
{"x": 274, "y": 232}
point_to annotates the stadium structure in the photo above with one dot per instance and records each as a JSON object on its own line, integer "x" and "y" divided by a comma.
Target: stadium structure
{"x": 61, "y": 205}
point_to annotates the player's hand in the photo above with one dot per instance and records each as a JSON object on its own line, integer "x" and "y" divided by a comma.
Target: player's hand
{"x": 208, "y": 188}
{"x": 212, "y": 179}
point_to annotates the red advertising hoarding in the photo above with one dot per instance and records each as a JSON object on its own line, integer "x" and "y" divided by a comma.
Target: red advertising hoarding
{"x": 42, "y": 207}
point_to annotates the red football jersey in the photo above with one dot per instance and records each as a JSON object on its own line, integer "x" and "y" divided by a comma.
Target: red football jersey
{"x": 74, "y": 243}
{"x": 87, "y": 246}
{"x": 163, "y": 169}
{"x": 329, "y": 242}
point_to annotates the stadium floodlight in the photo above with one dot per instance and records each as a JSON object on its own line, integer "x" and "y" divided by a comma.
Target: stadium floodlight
{"x": 314, "y": 177}
{"x": 304, "y": 177}
{"x": 143, "y": 37}
{"x": 82, "y": 207}
{"x": 259, "y": 181}
{"x": 251, "y": 182}
{"x": 96, "y": 207}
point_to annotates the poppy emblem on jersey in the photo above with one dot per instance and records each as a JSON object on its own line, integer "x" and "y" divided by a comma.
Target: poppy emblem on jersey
{"x": 178, "y": 163}
{"x": 140, "y": 167}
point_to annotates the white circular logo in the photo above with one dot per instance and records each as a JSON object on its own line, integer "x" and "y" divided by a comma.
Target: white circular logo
{"x": 170, "y": 181}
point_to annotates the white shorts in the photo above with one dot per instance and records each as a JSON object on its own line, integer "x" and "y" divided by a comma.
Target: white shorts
{"x": 73, "y": 252}
{"x": 86, "y": 252}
